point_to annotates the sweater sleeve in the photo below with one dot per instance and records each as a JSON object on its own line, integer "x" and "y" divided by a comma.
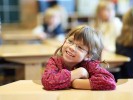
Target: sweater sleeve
{"x": 54, "y": 77}
{"x": 100, "y": 78}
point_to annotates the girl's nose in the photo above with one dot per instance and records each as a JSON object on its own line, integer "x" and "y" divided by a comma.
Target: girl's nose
{"x": 73, "y": 47}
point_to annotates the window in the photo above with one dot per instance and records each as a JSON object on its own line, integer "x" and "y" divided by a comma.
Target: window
{"x": 9, "y": 11}
{"x": 69, "y": 5}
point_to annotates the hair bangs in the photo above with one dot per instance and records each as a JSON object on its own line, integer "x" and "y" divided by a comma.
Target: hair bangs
{"x": 82, "y": 35}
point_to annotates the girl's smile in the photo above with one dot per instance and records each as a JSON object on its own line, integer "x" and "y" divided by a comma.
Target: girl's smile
{"x": 69, "y": 54}
{"x": 73, "y": 52}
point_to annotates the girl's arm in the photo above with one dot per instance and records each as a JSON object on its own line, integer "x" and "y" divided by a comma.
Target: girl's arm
{"x": 54, "y": 77}
{"x": 81, "y": 84}
{"x": 99, "y": 78}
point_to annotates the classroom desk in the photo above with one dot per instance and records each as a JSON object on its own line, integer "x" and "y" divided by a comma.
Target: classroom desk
{"x": 33, "y": 90}
{"x": 18, "y": 36}
{"x": 53, "y": 42}
{"x": 113, "y": 59}
{"x": 123, "y": 92}
{"x": 32, "y": 56}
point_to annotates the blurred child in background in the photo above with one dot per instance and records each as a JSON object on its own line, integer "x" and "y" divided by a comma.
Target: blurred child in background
{"x": 125, "y": 44}
{"x": 51, "y": 26}
{"x": 54, "y": 4}
{"x": 108, "y": 24}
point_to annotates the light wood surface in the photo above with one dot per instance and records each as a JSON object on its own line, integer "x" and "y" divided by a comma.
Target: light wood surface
{"x": 53, "y": 42}
{"x": 123, "y": 92}
{"x": 24, "y": 50}
{"x": 32, "y": 56}
{"x": 33, "y": 90}
{"x": 18, "y": 36}
{"x": 112, "y": 57}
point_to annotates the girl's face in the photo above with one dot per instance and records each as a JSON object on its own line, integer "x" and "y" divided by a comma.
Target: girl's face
{"x": 74, "y": 51}
{"x": 105, "y": 14}
{"x": 53, "y": 20}
{"x": 49, "y": 20}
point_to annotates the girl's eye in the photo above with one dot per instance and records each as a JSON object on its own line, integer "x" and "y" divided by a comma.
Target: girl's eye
{"x": 70, "y": 41}
{"x": 80, "y": 48}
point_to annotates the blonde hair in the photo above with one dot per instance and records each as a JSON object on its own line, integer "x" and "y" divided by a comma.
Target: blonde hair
{"x": 91, "y": 38}
{"x": 126, "y": 37}
{"x": 104, "y": 4}
{"x": 50, "y": 13}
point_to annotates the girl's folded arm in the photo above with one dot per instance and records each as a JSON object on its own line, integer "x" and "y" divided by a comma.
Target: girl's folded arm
{"x": 100, "y": 78}
{"x": 97, "y": 81}
{"x": 54, "y": 77}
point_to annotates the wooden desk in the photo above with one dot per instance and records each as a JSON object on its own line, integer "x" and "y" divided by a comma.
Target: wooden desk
{"x": 114, "y": 59}
{"x": 31, "y": 55}
{"x": 33, "y": 90}
{"x": 18, "y": 36}
{"x": 53, "y": 42}
{"x": 123, "y": 92}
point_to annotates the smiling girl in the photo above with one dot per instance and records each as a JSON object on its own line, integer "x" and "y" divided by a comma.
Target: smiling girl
{"x": 77, "y": 64}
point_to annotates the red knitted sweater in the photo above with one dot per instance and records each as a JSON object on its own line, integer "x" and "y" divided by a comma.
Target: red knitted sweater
{"x": 56, "y": 75}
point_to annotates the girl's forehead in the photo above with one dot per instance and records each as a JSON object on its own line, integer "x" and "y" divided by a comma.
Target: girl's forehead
{"x": 80, "y": 41}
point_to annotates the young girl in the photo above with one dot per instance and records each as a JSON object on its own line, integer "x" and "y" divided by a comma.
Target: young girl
{"x": 108, "y": 24}
{"x": 51, "y": 26}
{"x": 75, "y": 64}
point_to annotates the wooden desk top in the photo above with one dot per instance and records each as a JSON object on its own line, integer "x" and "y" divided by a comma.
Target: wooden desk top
{"x": 26, "y": 50}
{"x": 26, "y": 53}
{"x": 53, "y": 42}
{"x": 19, "y": 35}
{"x": 28, "y": 89}
{"x": 112, "y": 57}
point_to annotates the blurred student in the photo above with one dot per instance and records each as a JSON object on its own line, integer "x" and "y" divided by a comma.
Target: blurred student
{"x": 108, "y": 24}
{"x": 76, "y": 63}
{"x": 51, "y": 26}
{"x": 125, "y": 44}
{"x": 54, "y": 4}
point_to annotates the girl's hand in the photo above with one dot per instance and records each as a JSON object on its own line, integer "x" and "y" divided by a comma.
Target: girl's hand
{"x": 79, "y": 73}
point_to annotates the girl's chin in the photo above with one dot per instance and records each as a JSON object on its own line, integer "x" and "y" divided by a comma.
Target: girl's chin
{"x": 67, "y": 59}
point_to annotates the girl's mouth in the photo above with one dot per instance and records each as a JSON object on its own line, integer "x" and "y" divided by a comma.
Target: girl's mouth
{"x": 70, "y": 54}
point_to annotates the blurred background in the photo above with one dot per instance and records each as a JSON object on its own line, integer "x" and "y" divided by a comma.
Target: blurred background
{"x": 22, "y": 17}
{"x": 24, "y": 14}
